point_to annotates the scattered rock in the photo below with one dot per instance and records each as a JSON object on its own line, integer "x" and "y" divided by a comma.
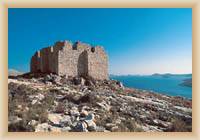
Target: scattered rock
{"x": 91, "y": 126}
{"x": 74, "y": 111}
{"x": 40, "y": 97}
{"x": 44, "y": 127}
{"x": 55, "y": 129}
{"x": 84, "y": 113}
{"x": 34, "y": 101}
{"x": 120, "y": 84}
{"x": 100, "y": 129}
{"x": 114, "y": 128}
{"x": 48, "y": 83}
{"x": 66, "y": 129}
{"x": 86, "y": 124}
{"x": 104, "y": 105}
{"x": 19, "y": 106}
{"x": 81, "y": 127}
{"x": 109, "y": 126}
{"x": 48, "y": 78}
{"x": 66, "y": 121}
{"x": 55, "y": 118}
{"x": 33, "y": 123}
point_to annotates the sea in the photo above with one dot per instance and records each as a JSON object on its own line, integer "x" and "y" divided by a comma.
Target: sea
{"x": 162, "y": 84}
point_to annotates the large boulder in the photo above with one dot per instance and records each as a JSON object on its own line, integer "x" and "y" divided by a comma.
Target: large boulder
{"x": 74, "y": 111}
{"x": 55, "y": 118}
{"x": 44, "y": 127}
{"x": 120, "y": 84}
{"x": 86, "y": 124}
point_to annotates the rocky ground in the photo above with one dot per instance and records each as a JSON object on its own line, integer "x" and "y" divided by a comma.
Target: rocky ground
{"x": 49, "y": 103}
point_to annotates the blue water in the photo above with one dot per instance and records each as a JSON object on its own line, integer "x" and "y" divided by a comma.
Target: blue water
{"x": 163, "y": 85}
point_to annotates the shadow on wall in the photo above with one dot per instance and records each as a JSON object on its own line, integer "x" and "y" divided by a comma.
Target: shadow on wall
{"x": 82, "y": 66}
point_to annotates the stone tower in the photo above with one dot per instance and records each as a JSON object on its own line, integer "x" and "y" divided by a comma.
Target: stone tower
{"x": 65, "y": 58}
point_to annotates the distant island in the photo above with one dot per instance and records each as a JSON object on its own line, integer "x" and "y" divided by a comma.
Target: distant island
{"x": 167, "y": 83}
{"x": 187, "y": 82}
{"x": 167, "y": 75}
{"x": 155, "y": 74}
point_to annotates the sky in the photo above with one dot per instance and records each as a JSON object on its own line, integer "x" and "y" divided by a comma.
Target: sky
{"x": 137, "y": 40}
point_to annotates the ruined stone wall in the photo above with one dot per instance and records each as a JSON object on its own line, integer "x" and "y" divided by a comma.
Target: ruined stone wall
{"x": 98, "y": 63}
{"x": 44, "y": 60}
{"x": 78, "y": 59}
{"x": 72, "y": 59}
{"x": 35, "y": 62}
{"x": 56, "y": 49}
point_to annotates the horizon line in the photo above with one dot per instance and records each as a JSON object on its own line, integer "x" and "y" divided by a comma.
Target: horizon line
{"x": 122, "y": 73}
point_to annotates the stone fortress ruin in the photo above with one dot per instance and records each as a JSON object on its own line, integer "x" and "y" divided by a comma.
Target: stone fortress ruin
{"x": 66, "y": 58}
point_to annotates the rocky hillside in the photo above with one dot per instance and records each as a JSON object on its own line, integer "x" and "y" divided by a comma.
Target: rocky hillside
{"x": 49, "y": 103}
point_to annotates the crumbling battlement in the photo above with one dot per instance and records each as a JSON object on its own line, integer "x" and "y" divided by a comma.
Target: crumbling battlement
{"x": 65, "y": 58}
